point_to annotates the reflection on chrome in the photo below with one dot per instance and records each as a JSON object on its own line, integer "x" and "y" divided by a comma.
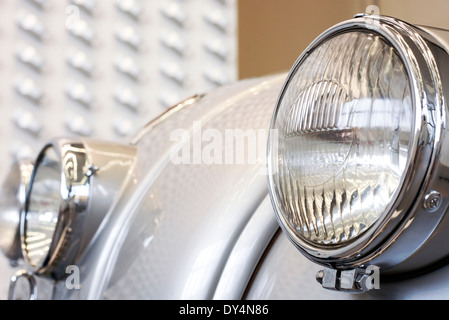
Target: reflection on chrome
{"x": 43, "y": 209}
{"x": 12, "y": 200}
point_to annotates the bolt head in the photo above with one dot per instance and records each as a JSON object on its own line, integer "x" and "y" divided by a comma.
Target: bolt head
{"x": 432, "y": 201}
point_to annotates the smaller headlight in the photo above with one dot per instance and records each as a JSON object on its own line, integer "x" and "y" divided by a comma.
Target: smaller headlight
{"x": 71, "y": 189}
{"x": 43, "y": 208}
{"x": 12, "y": 200}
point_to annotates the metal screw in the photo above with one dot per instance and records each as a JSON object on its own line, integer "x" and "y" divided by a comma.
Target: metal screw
{"x": 432, "y": 201}
{"x": 320, "y": 276}
{"x": 92, "y": 170}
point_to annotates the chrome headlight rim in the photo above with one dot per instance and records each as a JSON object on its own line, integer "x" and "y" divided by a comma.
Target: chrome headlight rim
{"x": 68, "y": 230}
{"x": 15, "y": 186}
{"x": 427, "y": 134}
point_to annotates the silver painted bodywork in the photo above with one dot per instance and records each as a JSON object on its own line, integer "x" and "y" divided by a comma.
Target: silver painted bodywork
{"x": 179, "y": 230}
{"x": 285, "y": 274}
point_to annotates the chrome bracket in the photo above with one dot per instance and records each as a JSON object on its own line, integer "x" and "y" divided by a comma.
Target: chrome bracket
{"x": 31, "y": 282}
{"x": 353, "y": 280}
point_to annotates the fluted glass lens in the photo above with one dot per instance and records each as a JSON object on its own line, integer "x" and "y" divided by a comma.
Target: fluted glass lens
{"x": 343, "y": 130}
{"x": 43, "y": 208}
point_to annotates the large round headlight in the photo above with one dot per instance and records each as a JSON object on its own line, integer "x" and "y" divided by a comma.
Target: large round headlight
{"x": 72, "y": 187}
{"x": 356, "y": 146}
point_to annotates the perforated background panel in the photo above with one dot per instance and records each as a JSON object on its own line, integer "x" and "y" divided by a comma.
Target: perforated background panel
{"x": 103, "y": 68}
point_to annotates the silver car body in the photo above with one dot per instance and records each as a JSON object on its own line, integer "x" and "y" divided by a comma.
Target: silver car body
{"x": 201, "y": 230}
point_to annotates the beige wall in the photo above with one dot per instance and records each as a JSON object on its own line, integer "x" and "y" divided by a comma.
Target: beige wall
{"x": 272, "y": 33}
{"x": 424, "y": 12}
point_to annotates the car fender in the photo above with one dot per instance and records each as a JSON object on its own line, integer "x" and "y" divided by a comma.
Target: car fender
{"x": 175, "y": 226}
{"x": 286, "y": 274}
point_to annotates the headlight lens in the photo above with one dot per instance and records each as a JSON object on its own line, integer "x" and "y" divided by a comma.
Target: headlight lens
{"x": 43, "y": 208}
{"x": 344, "y": 126}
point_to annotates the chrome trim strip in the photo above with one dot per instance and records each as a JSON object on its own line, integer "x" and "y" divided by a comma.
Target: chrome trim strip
{"x": 165, "y": 115}
{"x": 31, "y": 282}
{"x": 246, "y": 254}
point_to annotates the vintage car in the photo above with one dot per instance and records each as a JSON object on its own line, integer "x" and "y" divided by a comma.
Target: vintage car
{"x": 349, "y": 202}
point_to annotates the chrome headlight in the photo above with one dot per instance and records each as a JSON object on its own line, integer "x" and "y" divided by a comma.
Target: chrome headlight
{"x": 43, "y": 208}
{"x": 357, "y": 151}
{"x": 72, "y": 187}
